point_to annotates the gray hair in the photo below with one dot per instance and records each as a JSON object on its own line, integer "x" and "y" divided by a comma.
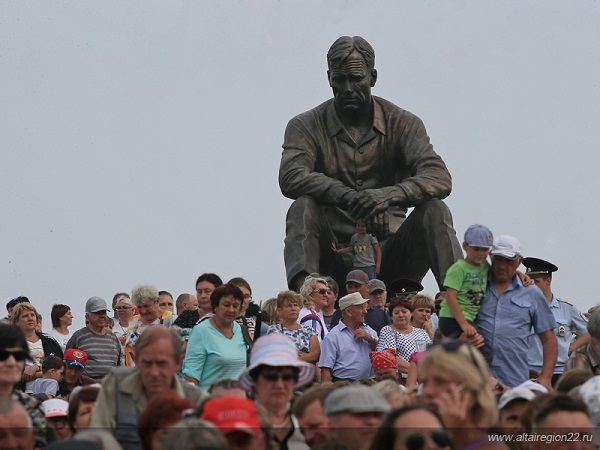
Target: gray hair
{"x": 388, "y": 388}
{"x": 593, "y": 325}
{"x": 144, "y": 292}
{"x": 345, "y": 45}
{"x": 103, "y": 437}
{"x": 181, "y": 299}
{"x": 7, "y": 405}
{"x": 332, "y": 284}
{"x": 307, "y": 289}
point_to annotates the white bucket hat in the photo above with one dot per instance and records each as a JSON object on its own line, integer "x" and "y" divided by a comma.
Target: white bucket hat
{"x": 276, "y": 350}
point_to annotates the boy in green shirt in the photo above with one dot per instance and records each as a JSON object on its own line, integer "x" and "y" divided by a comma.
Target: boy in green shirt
{"x": 465, "y": 283}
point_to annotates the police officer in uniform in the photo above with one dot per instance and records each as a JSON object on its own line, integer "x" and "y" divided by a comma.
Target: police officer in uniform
{"x": 404, "y": 288}
{"x": 567, "y": 318}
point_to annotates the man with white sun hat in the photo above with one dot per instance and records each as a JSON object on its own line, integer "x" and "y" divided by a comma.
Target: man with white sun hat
{"x": 345, "y": 350}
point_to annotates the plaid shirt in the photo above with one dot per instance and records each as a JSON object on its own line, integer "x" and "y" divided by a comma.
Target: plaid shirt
{"x": 586, "y": 358}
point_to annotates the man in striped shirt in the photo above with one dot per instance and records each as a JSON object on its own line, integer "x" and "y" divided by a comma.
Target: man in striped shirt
{"x": 96, "y": 339}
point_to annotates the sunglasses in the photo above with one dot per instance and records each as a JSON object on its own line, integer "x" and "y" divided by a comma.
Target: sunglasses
{"x": 450, "y": 346}
{"x": 323, "y": 291}
{"x": 285, "y": 377}
{"x": 19, "y": 355}
{"x": 417, "y": 441}
{"x": 454, "y": 346}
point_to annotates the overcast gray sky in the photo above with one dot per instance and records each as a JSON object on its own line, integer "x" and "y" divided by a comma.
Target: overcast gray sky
{"x": 141, "y": 140}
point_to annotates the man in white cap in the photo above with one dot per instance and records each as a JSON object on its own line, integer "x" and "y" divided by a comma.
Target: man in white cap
{"x": 511, "y": 406}
{"x": 102, "y": 347}
{"x": 345, "y": 350}
{"x": 509, "y": 313}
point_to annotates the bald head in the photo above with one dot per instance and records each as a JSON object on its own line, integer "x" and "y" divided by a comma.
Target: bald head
{"x": 16, "y": 429}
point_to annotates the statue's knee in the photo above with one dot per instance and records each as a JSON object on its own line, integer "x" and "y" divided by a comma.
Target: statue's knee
{"x": 304, "y": 202}
{"x": 434, "y": 211}
{"x": 304, "y": 206}
{"x": 304, "y": 210}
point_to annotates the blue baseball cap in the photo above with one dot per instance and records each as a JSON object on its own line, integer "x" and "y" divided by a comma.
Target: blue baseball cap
{"x": 479, "y": 236}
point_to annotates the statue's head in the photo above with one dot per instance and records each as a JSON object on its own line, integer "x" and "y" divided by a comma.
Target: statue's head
{"x": 351, "y": 73}
{"x": 345, "y": 45}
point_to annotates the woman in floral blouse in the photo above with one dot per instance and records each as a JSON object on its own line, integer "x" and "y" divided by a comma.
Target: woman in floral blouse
{"x": 305, "y": 338}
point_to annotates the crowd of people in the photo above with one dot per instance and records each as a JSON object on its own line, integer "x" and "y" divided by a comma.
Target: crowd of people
{"x": 379, "y": 368}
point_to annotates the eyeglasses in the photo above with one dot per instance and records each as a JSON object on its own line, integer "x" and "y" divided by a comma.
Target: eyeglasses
{"x": 19, "y": 355}
{"x": 121, "y": 308}
{"x": 58, "y": 422}
{"x": 285, "y": 377}
{"x": 416, "y": 441}
{"x": 322, "y": 291}
{"x": 247, "y": 297}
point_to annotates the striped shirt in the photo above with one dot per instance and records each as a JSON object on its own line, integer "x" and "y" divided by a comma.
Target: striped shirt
{"x": 104, "y": 351}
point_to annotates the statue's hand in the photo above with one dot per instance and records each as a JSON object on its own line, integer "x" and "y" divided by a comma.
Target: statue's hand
{"x": 379, "y": 225}
{"x": 367, "y": 203}
{"x": 348, "y": 200}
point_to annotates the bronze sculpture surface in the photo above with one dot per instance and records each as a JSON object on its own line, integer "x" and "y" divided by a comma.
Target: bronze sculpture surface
{"x": 358, "y": 156}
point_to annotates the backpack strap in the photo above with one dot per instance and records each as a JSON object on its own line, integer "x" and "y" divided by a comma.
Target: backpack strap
{"x": 247, "y": 341}
{"x": 312, "y": 317}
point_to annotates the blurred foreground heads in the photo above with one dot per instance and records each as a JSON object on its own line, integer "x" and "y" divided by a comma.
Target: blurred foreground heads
{"x": 16, "y": 429}
{"x": 238, "y": 420}
{"x": 355, "y": 413}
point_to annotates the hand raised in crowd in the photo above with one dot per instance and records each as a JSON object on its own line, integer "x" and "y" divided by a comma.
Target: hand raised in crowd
{"x": 29, "y": 372}
{"x": 362, "y": 334}
{"x": 428, "y": 326}
{"x": 453, "y": 406}
{"x": 545, "y": 381}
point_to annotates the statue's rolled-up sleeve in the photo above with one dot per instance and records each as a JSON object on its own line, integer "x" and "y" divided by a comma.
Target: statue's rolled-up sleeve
{"x": 422, "y": 172}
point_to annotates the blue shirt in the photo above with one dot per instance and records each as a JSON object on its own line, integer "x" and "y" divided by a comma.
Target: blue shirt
{"x": 348, "y": 358}
{"x": 210, "y": 356}
{"x": 435, "y": 321}
{"x": 567, "y": 317}
{"x": 506, "y": 322}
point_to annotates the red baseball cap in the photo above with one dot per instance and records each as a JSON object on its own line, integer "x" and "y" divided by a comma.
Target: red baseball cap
{"x": 75, "y": 357}
{"x": 232, "y": 414}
